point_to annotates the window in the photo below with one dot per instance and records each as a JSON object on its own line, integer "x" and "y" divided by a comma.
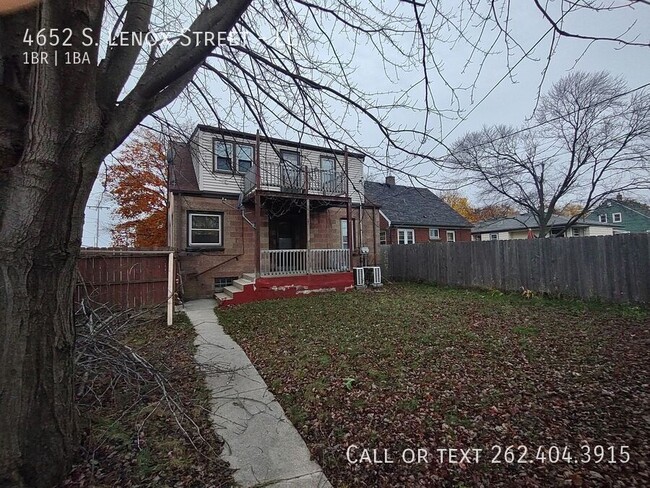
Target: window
{"x": 221, "y": 283}
{"x": 222, "y": 156}
{"x": 405, "y": 236}
{"x": 244, "y": 158}
{"x": 602, "y": 218}
{"x": 617, "y": 217}
{"x": 451, "y": 236}
{"x": 434, "y": 234}
{"x": 344, "y": 234}
{"x": 205, "y": 229}
{"x": 291, "y": 158}
{"x": 382, "y": 237}
{"x": 494, "y": 237}
{"x": 232, "y": 157}
{"x": 575, "y": 232}
{"x": 476, "y": 237}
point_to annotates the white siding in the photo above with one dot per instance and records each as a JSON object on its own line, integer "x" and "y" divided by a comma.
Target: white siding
{"x": 210, "y": 180}
{"x": 598, "y": 230}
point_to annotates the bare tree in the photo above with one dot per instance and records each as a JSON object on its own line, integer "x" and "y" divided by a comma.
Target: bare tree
{"x": 75, "y": 82}
{"x": 590, "y": 139}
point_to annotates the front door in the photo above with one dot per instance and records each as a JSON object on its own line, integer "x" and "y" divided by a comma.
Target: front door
{"x": 290, "y": 171}
{"x": 288, "y": 231}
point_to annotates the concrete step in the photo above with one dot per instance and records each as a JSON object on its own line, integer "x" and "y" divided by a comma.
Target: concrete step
{"x": 241, "y": 283}
{"x": 221, "y": 297}
{"x": 231, "y": 290}
{"x": 249, "y": 276}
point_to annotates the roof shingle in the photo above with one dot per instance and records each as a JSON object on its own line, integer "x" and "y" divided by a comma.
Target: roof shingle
{"x": 406, "y": 205}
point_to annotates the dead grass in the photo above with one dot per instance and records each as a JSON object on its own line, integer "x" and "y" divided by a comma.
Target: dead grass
{"x": 130, "y": 439}
{"x": 416, "y": 366}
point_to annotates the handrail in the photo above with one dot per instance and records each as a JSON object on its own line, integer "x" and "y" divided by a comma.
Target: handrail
{"x": 283, "y": 262}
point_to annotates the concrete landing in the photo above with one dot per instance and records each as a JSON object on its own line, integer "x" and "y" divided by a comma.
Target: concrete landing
{"x": 260, "y": 442}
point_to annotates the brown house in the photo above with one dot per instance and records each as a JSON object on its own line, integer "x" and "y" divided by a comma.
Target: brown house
{"x": 254, "y": 217}
{"x": 409, "y": 215}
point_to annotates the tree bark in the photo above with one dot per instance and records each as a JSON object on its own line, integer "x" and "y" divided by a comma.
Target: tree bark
{"x": 39, "y": 244}
{"x": 42, "y": 200}
{"x": 56, "y": 127}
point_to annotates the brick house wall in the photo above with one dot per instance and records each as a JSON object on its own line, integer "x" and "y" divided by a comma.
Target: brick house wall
{"x": 326, "y": 231}
{"x": 422, "y": 233}
{"x": 200, "y": 267}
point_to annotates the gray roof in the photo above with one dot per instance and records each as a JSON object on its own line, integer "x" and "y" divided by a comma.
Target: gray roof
{"x": 406, "y": 205}
{"x": 527, "y": 221}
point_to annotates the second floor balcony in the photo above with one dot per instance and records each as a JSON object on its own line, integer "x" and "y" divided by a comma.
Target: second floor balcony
{"x": 285, "y": 177}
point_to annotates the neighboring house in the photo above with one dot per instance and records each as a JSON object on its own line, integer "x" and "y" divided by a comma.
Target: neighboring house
{"x": 409, "y": 215}
{"x": 525, "y": 226}
{"x": 629, "y": 215}
{"x": 255, "y": 218}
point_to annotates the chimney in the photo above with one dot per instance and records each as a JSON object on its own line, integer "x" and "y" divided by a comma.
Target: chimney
{"x": 619, "y": 197}
{"x": 390, "y": 180}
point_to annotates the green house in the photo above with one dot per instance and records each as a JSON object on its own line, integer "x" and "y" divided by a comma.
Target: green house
{"x": 630, "y": 215}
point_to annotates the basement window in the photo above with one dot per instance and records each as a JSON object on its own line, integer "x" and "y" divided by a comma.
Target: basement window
{"x": 222, "y": 282}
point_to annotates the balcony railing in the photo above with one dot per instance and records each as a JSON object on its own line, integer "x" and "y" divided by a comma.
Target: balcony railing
{"x": 287, "y": 178}
{"x": 282, "y": 262}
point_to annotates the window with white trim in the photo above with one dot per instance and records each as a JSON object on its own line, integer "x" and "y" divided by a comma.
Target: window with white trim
{"x": 205, "y": 229}
{"x": 476, "y": 237}
{"x": 602, "y": 218}
{"x": 494, "y": 237}
{"x": 434, "y": 233}
{"x": 382, "y": 237}
{"x": 222, "y": 155}
{"x": 451, "y": 236}
{"x": 405, "y": 236}
{"x": 344, "y": 234}
{"x": 575, "y": 232}
{"x": 617, "y": 217}
{"x": 244, "y": 157}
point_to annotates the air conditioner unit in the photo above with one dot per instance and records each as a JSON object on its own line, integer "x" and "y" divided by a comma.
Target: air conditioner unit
{"x": 367, "y": 276}
{"x": 376, "y": 275}
{"x": 359, "y": 278}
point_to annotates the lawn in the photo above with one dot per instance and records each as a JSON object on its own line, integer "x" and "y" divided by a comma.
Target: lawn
{"x": 130, "y": 436}
{"x": 415, "y": 367}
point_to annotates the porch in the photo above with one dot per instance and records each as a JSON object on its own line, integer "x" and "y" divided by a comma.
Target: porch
{"x": 288, "y": 262}
{"x": 291, "y": 178}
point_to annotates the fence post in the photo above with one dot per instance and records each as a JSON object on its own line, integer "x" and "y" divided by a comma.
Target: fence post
{"x": 170, "y": 288}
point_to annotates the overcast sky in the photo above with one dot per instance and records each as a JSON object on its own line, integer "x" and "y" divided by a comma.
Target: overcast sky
{"x": 510, "y": 101}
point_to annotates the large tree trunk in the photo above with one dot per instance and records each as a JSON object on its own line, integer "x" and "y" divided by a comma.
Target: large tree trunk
{"x": 55, "y": 141}
{"x": 40, "y": 240}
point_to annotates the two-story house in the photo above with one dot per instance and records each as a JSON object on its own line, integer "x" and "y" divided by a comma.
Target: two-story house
{"x": 253, "y": 217}
{"x": 628, "y": 215}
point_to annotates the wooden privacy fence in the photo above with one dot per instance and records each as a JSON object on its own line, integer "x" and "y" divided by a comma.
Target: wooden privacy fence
{"x": 615, "y": 268}
{"x": 134, "y": 278}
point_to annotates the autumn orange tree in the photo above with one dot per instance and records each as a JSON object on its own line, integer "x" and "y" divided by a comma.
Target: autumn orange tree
{"x": 137, "y": 182}
{"x": 460, "y": 204}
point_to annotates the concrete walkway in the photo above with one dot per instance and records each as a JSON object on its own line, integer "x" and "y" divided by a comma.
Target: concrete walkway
{"x": 260, "y": 442}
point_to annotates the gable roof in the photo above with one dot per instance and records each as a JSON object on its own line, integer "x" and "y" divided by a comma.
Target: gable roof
{"x": 632, "y": 205}
{"x": 406, "y": 205}
{"x": 527, "y": 221}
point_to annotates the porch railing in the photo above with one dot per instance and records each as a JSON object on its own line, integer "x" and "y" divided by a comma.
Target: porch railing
{"x": 297, "y": 179}
{"x": 282, "y": 262}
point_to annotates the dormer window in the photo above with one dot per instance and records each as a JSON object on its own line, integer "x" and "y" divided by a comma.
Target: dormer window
{"x": 232, "y": 157}
{"x": 244, "y": 157}
{"x": 223, "y": 156}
